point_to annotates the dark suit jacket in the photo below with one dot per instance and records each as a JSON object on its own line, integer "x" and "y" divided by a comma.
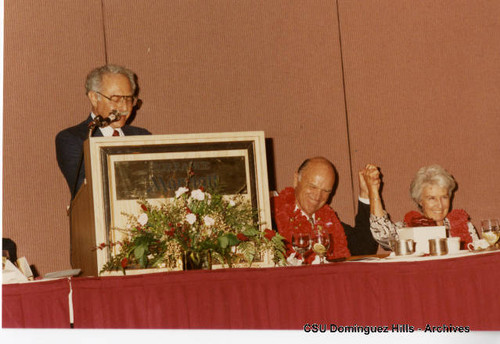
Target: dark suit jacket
{"x": 69, "y": 150}
{"x": 360, "y": 240}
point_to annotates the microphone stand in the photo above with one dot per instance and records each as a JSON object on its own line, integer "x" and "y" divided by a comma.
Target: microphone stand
{"x": 92, "y": 127}
{"x": 100, "y": 122}
{"x": 97, "y": 122}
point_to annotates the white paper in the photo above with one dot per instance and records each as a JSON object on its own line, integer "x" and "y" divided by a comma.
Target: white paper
{"x": 11, "y": 274}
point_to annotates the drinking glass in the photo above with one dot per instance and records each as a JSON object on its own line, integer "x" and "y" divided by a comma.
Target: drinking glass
{"x": 301, "y": 242}
{"x": 321, "y": 243}
{"x": 491, "y": 231}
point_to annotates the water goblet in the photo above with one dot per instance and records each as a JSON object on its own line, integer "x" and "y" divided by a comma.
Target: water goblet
{"x": 491, "y": 231}
{"x": 301, "y": 242}
{"x": 321, "y": 243}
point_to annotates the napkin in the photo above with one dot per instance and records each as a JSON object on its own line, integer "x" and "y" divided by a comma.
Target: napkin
{"x": 316, "y": 260}
{"x": 294, "y": 261}
{"x": 11, "y": 274}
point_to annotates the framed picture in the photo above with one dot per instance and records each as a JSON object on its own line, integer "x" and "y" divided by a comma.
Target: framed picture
{"x": 122, "y": 171}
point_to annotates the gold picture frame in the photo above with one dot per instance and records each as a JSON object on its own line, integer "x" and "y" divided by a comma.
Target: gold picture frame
{"x": 122, "y": 170}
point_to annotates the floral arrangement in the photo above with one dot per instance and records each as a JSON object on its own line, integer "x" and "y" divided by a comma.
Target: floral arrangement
{"x": 195, "y": 229}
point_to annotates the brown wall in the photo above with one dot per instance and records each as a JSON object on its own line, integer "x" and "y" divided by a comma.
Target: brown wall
{"x": 422, "y": 84}
{"x": 421, "y": 87}
{"x": 49, "y": 48}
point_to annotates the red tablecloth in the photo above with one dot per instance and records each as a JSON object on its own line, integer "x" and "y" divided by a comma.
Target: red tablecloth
{"x": 458, "y": 292}
{"x": 43, "y": 304}
{"x": 452, "y": 292}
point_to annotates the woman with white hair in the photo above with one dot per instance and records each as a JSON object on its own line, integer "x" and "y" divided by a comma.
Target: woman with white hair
{"x": 431, "y": 190}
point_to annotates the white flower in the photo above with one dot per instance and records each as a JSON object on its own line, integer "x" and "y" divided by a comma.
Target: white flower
{"x": 180, "y": 191}
{"x": 142, "y": 219}
{"x": 208, "y": 221}
{"x": 191, "y": 218}
{"x": 232, "y": 203}
{"x": 198, "y": 195}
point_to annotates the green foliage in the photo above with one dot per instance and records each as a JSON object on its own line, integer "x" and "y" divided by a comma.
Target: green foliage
{"x": 197, "y": 224}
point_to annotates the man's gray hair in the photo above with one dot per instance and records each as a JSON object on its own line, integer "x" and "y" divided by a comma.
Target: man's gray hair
{"x": 94, "y": 78}
{"x": 431, "y": 175}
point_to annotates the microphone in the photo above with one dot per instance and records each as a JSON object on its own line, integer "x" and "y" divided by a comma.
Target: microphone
{"x": 114, "y": 116}
{"x": 96, "y": 122}
{"x": 101, "y": 122}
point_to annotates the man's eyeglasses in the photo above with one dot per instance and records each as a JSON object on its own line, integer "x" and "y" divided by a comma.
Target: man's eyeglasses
{"x": 118, "y": 99}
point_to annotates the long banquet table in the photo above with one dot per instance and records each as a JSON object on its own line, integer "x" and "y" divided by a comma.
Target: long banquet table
{"x": 459, "y": 291}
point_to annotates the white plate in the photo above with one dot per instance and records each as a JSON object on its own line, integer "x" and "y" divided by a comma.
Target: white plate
{"x": 64, "y": 273}
{"x": 392, "y": 256}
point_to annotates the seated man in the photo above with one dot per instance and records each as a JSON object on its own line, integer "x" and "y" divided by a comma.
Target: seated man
{"x": 304, "y": 209}
{"x": 113, "y": 90}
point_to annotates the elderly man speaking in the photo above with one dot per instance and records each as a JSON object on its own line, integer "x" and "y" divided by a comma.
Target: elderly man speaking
{"x": 112, "y": 91}
{"x": 303, "y": 210}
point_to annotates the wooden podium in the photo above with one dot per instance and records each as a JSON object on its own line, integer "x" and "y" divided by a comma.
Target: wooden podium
{"x": 122, "y": 170}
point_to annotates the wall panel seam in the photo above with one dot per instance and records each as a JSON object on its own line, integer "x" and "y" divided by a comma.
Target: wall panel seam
{"x": 104, "y": 33}
{"x": 349, "y": 150}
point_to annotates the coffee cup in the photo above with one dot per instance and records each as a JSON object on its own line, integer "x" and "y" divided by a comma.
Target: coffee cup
{"x": 453, "y": 245}
{"x": 402, "y": 247}
{"x": 438, "y": 247}
{"x": 476, "y": 245}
